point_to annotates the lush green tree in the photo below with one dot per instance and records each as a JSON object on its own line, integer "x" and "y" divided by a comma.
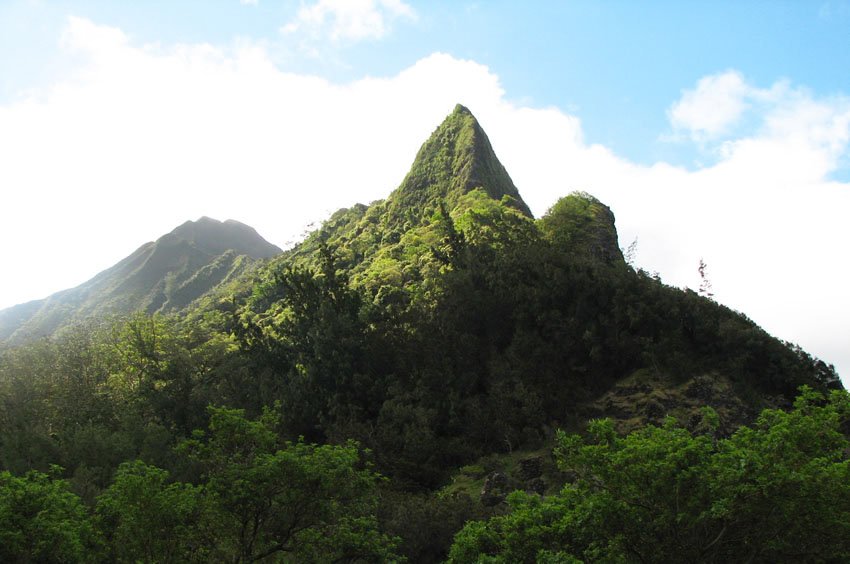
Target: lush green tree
{"x": 147, "y": 519}
{"x": 425, "y": 522}
{"x": 294, "y": 500}
{"x": 25, "y": 430}
{"x": 775, "y": 492}
{"x": 42, "y": 521}
{"x": 309, "y": 348}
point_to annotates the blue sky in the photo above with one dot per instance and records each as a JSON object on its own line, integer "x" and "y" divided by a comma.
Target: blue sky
{"x": 715, "y": 130}
{"x": 617, "y": 65}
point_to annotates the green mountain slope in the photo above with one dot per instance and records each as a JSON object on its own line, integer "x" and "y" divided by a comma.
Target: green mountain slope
{"x": 448, "y": 300}
{"x": 454, "y": 176}
{"x": 165, "y": 275}
{"x": 447, "y": 332}
{"x": 455, "y": 160}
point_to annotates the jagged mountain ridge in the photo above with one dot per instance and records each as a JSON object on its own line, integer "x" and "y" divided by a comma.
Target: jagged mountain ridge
{"x": 165, "y": 275}
{"x": 442, "y": 325}
{"x": 389, "y": 249}
{"x": 444, "y": 330}
{"x": 455, "y": 170}
{"x": 623, "y": 322}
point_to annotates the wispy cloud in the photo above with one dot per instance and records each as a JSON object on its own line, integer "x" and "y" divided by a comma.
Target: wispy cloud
{"x": 713, "y": 113}
{"x": 834, "y": 10}
{"x": 710, "y": 109}
{"x": 348, "y": 20}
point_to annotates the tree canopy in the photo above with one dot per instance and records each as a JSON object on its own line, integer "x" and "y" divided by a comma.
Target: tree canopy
{"x": 778, "y": 491}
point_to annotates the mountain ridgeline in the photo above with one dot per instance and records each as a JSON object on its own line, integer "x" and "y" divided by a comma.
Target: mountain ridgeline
{"x": 449, "y": 311}
{"x": 442, "y": 338}
{"x": 165, "y": 275}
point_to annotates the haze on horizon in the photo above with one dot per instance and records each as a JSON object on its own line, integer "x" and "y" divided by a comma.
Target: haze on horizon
{"x": 713, "y": 134}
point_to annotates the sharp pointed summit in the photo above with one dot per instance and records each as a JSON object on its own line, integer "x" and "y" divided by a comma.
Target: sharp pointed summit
{"x": 456, "y": 159}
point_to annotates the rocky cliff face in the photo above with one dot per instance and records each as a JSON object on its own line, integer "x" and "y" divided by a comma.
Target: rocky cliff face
{"x": 455, "y": 160}
{"x": 581, "y": 224}
{"x": 454, "y": 168}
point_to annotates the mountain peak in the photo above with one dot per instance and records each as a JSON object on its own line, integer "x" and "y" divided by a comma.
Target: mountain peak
{"x": 456, "y": 159}
{"x": 215, "y": 237}
{"x": 461, "y": 109}
{"x": 581, "y": 224}
{"x": 164, "y": 275}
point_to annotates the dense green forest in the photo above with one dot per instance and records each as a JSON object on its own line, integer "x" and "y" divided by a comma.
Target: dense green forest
{"x": 377, "y": 392}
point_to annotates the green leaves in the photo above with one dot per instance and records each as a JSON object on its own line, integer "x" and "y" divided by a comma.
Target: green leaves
{"x": 315, "y": 503}
{"x": 146, "y": 518}
{"x": 42, "y": 521}
{"x": 779, "y": 491}
{"x": 258, "y": 498}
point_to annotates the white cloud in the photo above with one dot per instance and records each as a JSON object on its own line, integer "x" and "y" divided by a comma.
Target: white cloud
{"x": 711, "y": 112}
{"x": 249, "y": 2}
{"x": 141, "y": 138}
{"x": 82, "y": 35}
{"x": 713, "y": 107}
{"x": 348, "y": 20}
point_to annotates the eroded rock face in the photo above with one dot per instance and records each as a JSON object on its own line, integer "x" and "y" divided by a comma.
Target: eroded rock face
{"x": 527, "y": 476}
{"x": 537, "y": 485}
{"x": 456, "y": 159}
{"x": 636, "y": 402}
{"x": 583, "y": 226}
{"x": 700, "y": 389}
{"x": 530, "y": 468}
{"x": 654, "y": 410}
{"x": 495, "y": 489}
